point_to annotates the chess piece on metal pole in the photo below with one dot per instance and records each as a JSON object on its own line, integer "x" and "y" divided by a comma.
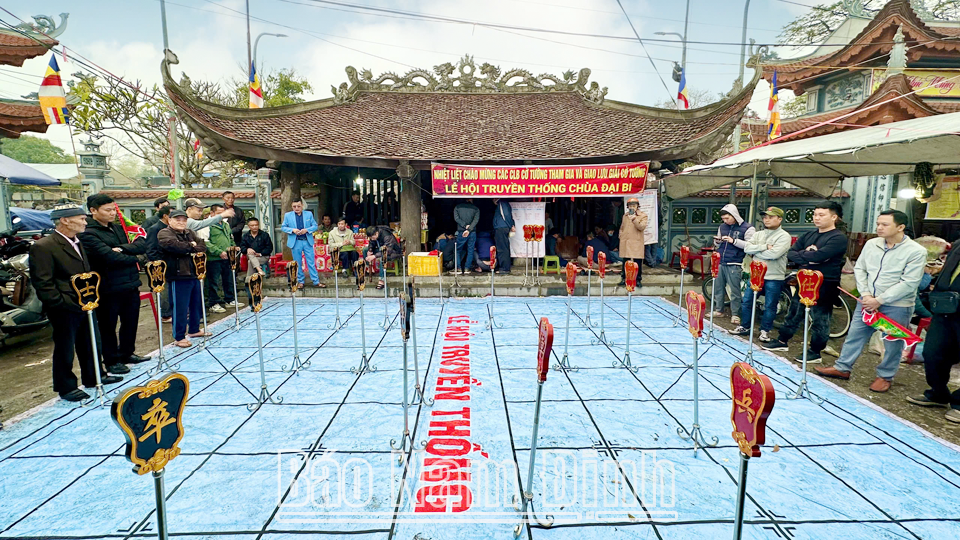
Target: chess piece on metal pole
{"x": 696, "y": 303}
{"x": 753, "y": 400}
{"x": 586, "y": 320}
{"x": 714, "y": 271}
{"x": 440, "y": 276}
{"x": 87, "y": 287}
{"x": 417, "y": 389}
{"x": 387, "y": 321}
{"x": 602, "y": 273}
{"x": 527, "y": 238}
{"x": 405, "y": 444}
{"x": 233, "y": 256}
{"x": 200, "y": 265}
{"x": 630, "y": 270}
{"x": 544, "y": 347}
{"x": 808, "y": 289}
{"x": 538, "y": 238}
{"x": 256, "y": 292}
{"x": 359, "y": 270}
{"x": 492, "y": 323}
{"x": 297, "y": 364}
{"x": 156, "y": 272}
{"x": 684, "y": 260}
{"x": 758, "y": 271}
{"x": 572, "y": 272}
{"x": 335, "y": 261}
{"x": 457, "y": 266}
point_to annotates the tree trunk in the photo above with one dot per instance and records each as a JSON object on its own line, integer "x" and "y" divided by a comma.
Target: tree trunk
{"x": 410, "y": 202}
{"x": 289, "y": 192}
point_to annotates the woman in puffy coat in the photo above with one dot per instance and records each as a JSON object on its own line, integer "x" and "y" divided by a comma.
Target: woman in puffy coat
{"x": 631, "y": 237}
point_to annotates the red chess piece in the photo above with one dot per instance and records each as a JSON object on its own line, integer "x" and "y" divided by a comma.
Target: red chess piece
{"x": 631, "y": 269}
{"x": 715, "y": 263}
{"x": 589, "y": 256}
{"x": 753, "y": 399}
{"x": 493, "y": 257}
{"x": 696, "y": 304}
{"x": 528, "y": 233}
{"x": 758, "y": 270}
{"x": 684, "y": 256}
{"x": 538, "y": 233}
{"x": 544, "y": 347}
{"x": 572, "y": 272}
{"x": 809, "y": 282}
{"x": 602, "y": 264}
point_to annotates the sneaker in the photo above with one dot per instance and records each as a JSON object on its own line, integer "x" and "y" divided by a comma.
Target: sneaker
{"x": 718, "y": 314}
{"x": 232, "y": 304}
{"x": 775, "y": 345}
{"x": 765, "y": 337}
{"x": 812, "y": 358}
{"x": 740, "y": 331}
{"x": 831, "y": 351}
{"x": 735, "y": 320}
{"x": 953, "y": 415}
{"x": 216, "y": 308}
{"x": 923, "y": 401}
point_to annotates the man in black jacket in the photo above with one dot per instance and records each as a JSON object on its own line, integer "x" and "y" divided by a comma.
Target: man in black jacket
{"x": 237, "y": 220}
{"x": 154, "y": 253}
{"x": 942, "y": 343}
{"x": 179, "y": 244}
{"x": 158, "y": 204}
{"x": 54, "y": 259}
{"x": 824, "y": 249}
{"x": 114, "y": 257}
{"x": 353, "y": 210}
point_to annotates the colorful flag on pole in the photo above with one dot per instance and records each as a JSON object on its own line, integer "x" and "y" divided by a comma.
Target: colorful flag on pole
{"x": 256, "y": 91}
{"x": 773, "y": 122}
{"x": 197, "y": 149}
{"x": 52, "y": 100}
{"x": 133, "y": 230}
{"x": 682, "y": 92}
{"x": 892, "y": 330}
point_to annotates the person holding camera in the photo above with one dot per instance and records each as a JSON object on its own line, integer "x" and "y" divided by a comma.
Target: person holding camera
{"x": 731, "y": 239}
{"x": 631, "y": 238}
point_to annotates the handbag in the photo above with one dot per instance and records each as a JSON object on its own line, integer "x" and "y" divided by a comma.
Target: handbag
{"x": 944, "y": 302}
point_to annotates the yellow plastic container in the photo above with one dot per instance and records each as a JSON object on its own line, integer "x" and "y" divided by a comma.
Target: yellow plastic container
{"x": 423, "y": 264}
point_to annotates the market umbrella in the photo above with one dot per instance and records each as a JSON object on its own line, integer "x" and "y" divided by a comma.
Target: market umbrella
{"x": 18, "y": 173}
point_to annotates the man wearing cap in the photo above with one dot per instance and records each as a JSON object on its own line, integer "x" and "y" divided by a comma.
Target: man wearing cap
{"x": 194, "y": 210}
{"x": 178, "y": 244}
{"x": 114, "y": 257}
{"x": 631, "y": 237}
{"x": 54, "y": 259}
{"x": 769, "y": 246}
{"x": 732, "y": 236}
{"x": 299, "y": 224}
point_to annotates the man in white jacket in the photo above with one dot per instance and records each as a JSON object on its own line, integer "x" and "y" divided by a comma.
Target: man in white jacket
{"x": 769, "y": 246}
{"x": 888, "y": 273}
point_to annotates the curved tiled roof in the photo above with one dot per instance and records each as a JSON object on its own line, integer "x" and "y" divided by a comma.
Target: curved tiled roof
{"x": 18, "y": 116}
{"x": 15, "y": 48}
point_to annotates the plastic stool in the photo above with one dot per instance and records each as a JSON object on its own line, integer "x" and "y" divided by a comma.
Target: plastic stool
{"x": 551, "y": 264}
{"x": 922, "y": 325}
{"x": 153, "y": 305}
{"x": 392, "y": 267}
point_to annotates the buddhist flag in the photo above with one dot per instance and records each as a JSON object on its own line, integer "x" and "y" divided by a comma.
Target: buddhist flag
{"x": 773, "y": 122}
{"x": 197, "y": 149}
{"x": 256, "y": 91}
{"x": 52, "y": 100}
{"x": 682, "y": 92}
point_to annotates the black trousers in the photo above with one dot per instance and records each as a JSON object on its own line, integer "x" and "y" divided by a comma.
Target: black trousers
{"x": 122, "y": 307}
{"x": 939, "y": 355}
{"x": 347, "y": 258}
{"x": 501, "y": 237}
{"x": 820, "y": 316}
{"x": 71, "y": 334}
{"x": 219, "y": 289}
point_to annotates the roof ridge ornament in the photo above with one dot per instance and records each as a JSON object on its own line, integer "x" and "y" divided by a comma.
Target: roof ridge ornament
{"x": 43, "y": 25}
{"x": 854, "y": 8}
{"x": 898, "y": 55}
{"x": 463, "y": 79}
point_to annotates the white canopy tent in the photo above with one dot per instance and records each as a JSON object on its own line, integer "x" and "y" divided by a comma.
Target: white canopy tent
{"x": 819, "y": 163}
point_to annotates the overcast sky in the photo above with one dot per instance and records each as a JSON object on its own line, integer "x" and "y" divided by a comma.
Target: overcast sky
{"x": 209, "y": 36}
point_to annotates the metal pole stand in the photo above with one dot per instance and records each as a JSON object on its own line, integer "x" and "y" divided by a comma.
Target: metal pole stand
{"x": 713, "y": 294}
{"x": 526, "y": 266}
{"x": 265, "y": 395}
{"x": 297, "y": 364}
{"x": 162, "y": 360}
{"x": 203, "y": 309}
{"x": 418, "y": 397}
{"x": 625, "y": 363}
{"x": 440, "y": 277}
{"x": 695, "y": 434}
{"x": 741, "y": 496}
{"x": 98, "y": 393}
{"x": 337, "y": 323}
{"x": 491, "y": 322}
{"x": 536, "y": 260}
{"x": 406, "y": 443}
{"x": 565, "y": 361}
{"x": 586, "y": 320}
{"x": 364, "y": 362}
{"x": 160, "y": 493}
{"x": 233, "y": 280}
{"x": 456, "y": 263}
{"x": 602, "y": 338}
{"x": 676, "y": 322}
{"x": 527, "y": 496}
{"x": 387, "y": 323}
{"x": 803, "y": 391}
{"x": 753, "y": 316}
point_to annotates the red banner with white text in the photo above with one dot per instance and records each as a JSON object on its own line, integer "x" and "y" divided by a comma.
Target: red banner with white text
{"x": 611, "y": 180}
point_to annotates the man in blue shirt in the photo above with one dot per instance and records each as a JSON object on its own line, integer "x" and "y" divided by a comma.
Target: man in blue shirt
{"x": 299, "y": 224}
{"x": 503, "y": 225}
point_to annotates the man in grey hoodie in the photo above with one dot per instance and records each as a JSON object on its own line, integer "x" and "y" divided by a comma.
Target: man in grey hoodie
{"x": 732, "y": 237}
{"x": 769, "y": 246}
{"x": 466, "y": 215}
{"x": 888, "y": 273}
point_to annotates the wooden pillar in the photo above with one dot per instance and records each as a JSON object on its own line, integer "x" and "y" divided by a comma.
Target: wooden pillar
{"x": 289, "y": 192}
{"x": 410, "y": 202}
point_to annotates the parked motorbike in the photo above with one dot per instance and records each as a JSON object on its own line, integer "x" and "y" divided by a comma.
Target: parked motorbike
{"x": 21, "y": 311}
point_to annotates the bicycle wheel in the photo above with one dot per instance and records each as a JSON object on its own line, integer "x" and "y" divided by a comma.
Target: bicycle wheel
{"x": 840, "y": 318}
{"x": 707, "y": 288}
{"x": 782, "y": 308}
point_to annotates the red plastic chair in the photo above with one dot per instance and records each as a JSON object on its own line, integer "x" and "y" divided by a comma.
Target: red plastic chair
{"x": 922, "y": 325}
{"x": 153, "y": 305}
{"x": 693, "y": 256}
